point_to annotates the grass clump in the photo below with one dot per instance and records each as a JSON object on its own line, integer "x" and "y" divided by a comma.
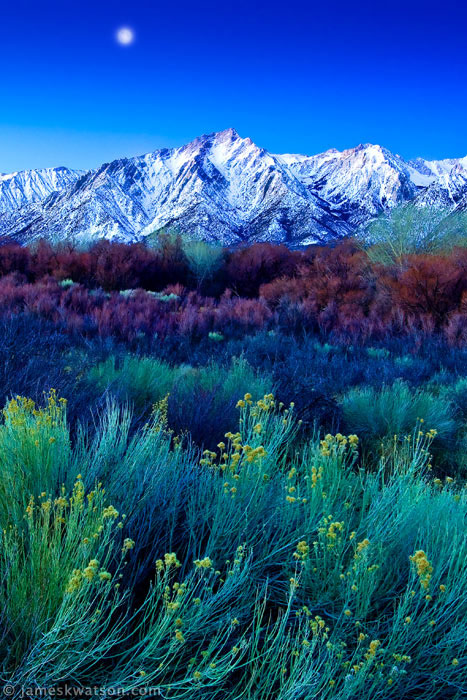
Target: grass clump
{"x": 201, "y": 400}
{"x": 141, "y": 380}
{"x": 377, "y": 414}
{"x": 270, "y": 566}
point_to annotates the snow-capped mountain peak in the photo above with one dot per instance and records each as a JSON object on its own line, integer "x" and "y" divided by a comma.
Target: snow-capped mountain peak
{"x": 21, "y": 188}
{"x": 223, "y": 187}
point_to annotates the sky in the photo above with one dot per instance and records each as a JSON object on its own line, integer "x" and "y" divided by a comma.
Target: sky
{"x": 294, "y": 76}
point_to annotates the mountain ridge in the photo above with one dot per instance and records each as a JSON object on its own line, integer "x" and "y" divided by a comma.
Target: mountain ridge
{"x": 224, "y": 188}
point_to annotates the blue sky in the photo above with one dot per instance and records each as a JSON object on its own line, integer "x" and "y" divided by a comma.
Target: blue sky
{"x": 295, "y": 76}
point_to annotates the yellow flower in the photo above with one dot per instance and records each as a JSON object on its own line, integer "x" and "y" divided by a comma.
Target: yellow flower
{"x": 74, "y": 584}
{"x": 347, "y": 613}
{"x": 372, "y": 648}
{"x": 128, "y": 544}
{"x": 455, "y": 662}
{"x": 46, "y": 505}
{"x": 362, "y": 545}
{"x": 89, "y": 573}
{"x": 205, "y": 563}
{"x": 442, "y": 588}
{"x": 423, "y": 567}
{"x": 105, "y": 576}
{"x": 334, "y": 529}
{"x": 170, "y": 559}
{"x": 110, "y": 512}
{"x": 302, "y": 550}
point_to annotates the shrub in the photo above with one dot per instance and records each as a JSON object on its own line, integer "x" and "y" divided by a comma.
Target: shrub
{"x": 229, "y": 574}
{"x": 203, "y": 400}
{"x": 376, "y": 414}
{"x": 141, "y": 380}
{"x": 204, "y": 260}
{"x": 409, "y": 229}
{"x": 336, "y": 292}
{"x": 260, "y": 263}
{"x": 35, "y": 449}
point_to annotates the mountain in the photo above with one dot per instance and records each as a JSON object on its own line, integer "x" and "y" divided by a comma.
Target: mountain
{"x": 357, "y": 183}
{"x": 19, "y": 189}
{"x": 224, "y": 188}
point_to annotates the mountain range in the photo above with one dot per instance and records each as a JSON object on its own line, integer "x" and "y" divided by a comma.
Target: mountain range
{"x": 224, "y": 188}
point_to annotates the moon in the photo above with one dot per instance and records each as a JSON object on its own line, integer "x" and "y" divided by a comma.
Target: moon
{"x": 125, "y": 36}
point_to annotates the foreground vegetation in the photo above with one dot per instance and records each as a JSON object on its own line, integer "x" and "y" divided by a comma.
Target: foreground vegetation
{"x": 234, "y": 474}
{"x": 272, "y": 567}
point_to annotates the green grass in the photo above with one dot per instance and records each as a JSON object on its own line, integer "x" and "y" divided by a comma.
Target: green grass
{"x": 201, "y": 401}
{"x": 395, "y": 410}
{"x": 270, "y": 567}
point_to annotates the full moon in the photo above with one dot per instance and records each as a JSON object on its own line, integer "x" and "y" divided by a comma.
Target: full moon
{"x": 125, "y": 36}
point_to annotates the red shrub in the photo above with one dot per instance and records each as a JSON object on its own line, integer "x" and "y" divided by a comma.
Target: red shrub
{"x": 428, "y": 285}
{"x": 249, "y": 268}
{"x": 335, "y": 290}
{"x": 14, "y": 258}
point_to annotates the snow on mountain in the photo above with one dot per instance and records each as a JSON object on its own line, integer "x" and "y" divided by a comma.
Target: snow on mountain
{"x": 358, "y": 183}
{"x": 447, "y": 190}
{"x": 221, "y": 187}
{"x": 22, "y": 188}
